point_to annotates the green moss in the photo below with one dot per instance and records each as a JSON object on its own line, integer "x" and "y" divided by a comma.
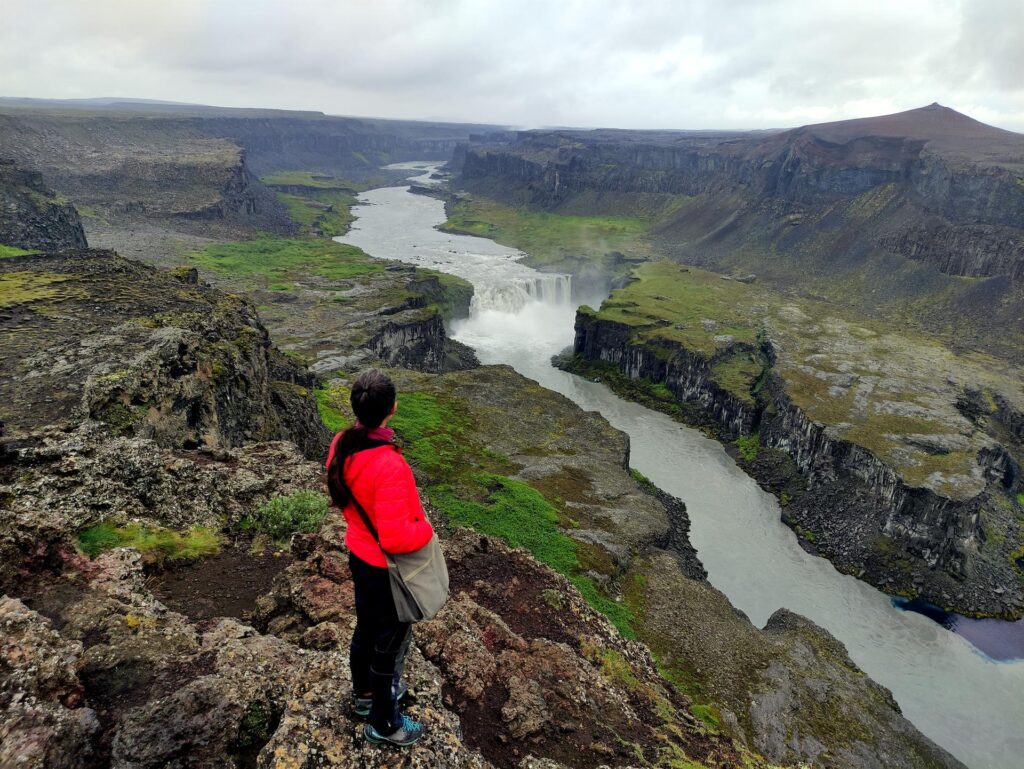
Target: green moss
{"x": 708, "y": 714}
{"x": 514, "y": 511}
{"x": 163, "y": 543}
{"x": 320, "y": 213}
{"x": 614, "y": 667}
{"x": 331, "y": 403}
{"x": 738, "y": 374}
{"x": 13, "y": 251}
{"x": 256, "y": 727}
{"x": 619, "y": 613}
{"x": 431, "y": 429}
{"x": 748, "y": 446}
{"x": 275, "y": 263}
{"x": 519, "y": 514}
{"x": 25, "y": 287}
{"x": 643, "y": 480}
{"x": 550, "y": 239}
{"x": 119, "y": 416}
{"x": 305, "y": 179}
{"x": 673, "y": 303}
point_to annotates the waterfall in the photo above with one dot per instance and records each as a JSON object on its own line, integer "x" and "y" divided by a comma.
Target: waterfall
{"x": 512, "y": 295}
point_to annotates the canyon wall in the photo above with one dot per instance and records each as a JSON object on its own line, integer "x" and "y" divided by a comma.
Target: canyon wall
{"x": 851, "y": 507}
{"x": 885, "y": 215}
{"x": 32, "y": 216}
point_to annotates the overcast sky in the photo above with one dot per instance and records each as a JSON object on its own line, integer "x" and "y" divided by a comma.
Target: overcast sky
{"x": 675, "y": 64}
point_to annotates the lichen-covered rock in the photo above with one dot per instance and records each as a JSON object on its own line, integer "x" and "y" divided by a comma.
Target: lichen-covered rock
{"x": 44, "y": 721}
{"x": 92, "y": 335}
{"x": 521, "y": 677}
{"x": 52, "y": 483}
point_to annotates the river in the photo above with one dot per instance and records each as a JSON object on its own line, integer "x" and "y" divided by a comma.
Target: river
{"x": 967, "y": 702}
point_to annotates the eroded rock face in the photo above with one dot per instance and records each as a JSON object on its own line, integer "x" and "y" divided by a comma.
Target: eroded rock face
{"x": 53, "y": 483}
{"x": 45, "y": 722}
{"x": 32, "y": 216}
{"x": 92, "y": 335}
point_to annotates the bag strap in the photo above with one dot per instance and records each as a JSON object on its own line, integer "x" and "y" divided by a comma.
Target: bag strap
{"x": 362, "y": 510}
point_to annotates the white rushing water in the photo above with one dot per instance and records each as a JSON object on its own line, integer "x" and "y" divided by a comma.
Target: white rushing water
{"x": 966, "y": 702}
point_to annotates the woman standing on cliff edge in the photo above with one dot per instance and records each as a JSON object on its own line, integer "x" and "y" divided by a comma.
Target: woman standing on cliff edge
{"x": 365, "y": 468}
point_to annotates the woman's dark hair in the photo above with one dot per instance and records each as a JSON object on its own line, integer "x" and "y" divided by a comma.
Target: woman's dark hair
{"x": 373, "y": 397}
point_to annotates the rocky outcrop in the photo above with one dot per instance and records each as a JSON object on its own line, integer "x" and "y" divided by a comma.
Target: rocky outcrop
{"x": 45, "y": 720}
{"x": 686, "y": 374}
{"x": 392, "y": 318}
{"x": 900, "y": 537}
{"x": 783, "y": 694}
{"x": 91, "y": 335}
{"x": 54, "y": 482}
{"x": 973, "y": 251}
{"x": 32, "y": 216}
{"x": 421, "y": 344}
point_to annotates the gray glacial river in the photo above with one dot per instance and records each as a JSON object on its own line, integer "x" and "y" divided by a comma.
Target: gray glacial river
{"x": 965, "y": 701}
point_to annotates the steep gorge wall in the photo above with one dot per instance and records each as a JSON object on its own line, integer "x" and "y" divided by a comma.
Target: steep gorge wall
{"x": 858, "y": 510}
{"x": 956, "y": 213}
{"x": 331, "y": 144}
{"x": 32, "y": 216}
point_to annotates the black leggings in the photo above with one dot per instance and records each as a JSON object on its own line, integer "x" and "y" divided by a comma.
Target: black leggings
{"x": 379, "y": 644}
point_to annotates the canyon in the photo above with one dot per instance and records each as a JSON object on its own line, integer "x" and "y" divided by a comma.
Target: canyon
{"x": 153, "y": 394}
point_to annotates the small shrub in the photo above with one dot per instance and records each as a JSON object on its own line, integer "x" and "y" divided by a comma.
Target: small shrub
{"x": 748, "y": 446}
{"x": 280, "y": 517}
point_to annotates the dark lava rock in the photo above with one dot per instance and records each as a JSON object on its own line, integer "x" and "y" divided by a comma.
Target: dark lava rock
{"x": 32, "y": 216}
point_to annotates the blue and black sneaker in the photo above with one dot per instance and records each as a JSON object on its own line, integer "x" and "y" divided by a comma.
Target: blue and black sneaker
{"x": 361, "y": 705}
{"x": 406, "y": 734}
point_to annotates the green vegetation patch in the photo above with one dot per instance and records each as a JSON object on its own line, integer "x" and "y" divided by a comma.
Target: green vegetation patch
{"x": 273, "y": 263}
{"x": 282, "y": 516}
{"x": 322, "y": 213}
{"x": 13, "y": 251}
{"x": 164, "y": 544}
{"x": 547, "y": 238}
{"x": 305, "y": 179}
{"x": 519, "y": 514}
{"x": 514, "y": 511}
{"x": 685, "y": 305}
{"x": 748, "y": 446}
{"x": 25, "y": 286}
{"x": 332, "y": 403}
{"x": 739, "y": 374}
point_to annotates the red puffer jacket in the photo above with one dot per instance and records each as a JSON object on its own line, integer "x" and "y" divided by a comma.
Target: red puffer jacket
{"x": 382, "y": 481}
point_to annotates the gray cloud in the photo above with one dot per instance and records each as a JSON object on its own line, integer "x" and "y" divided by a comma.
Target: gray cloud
{"x": 680, "y": 64}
